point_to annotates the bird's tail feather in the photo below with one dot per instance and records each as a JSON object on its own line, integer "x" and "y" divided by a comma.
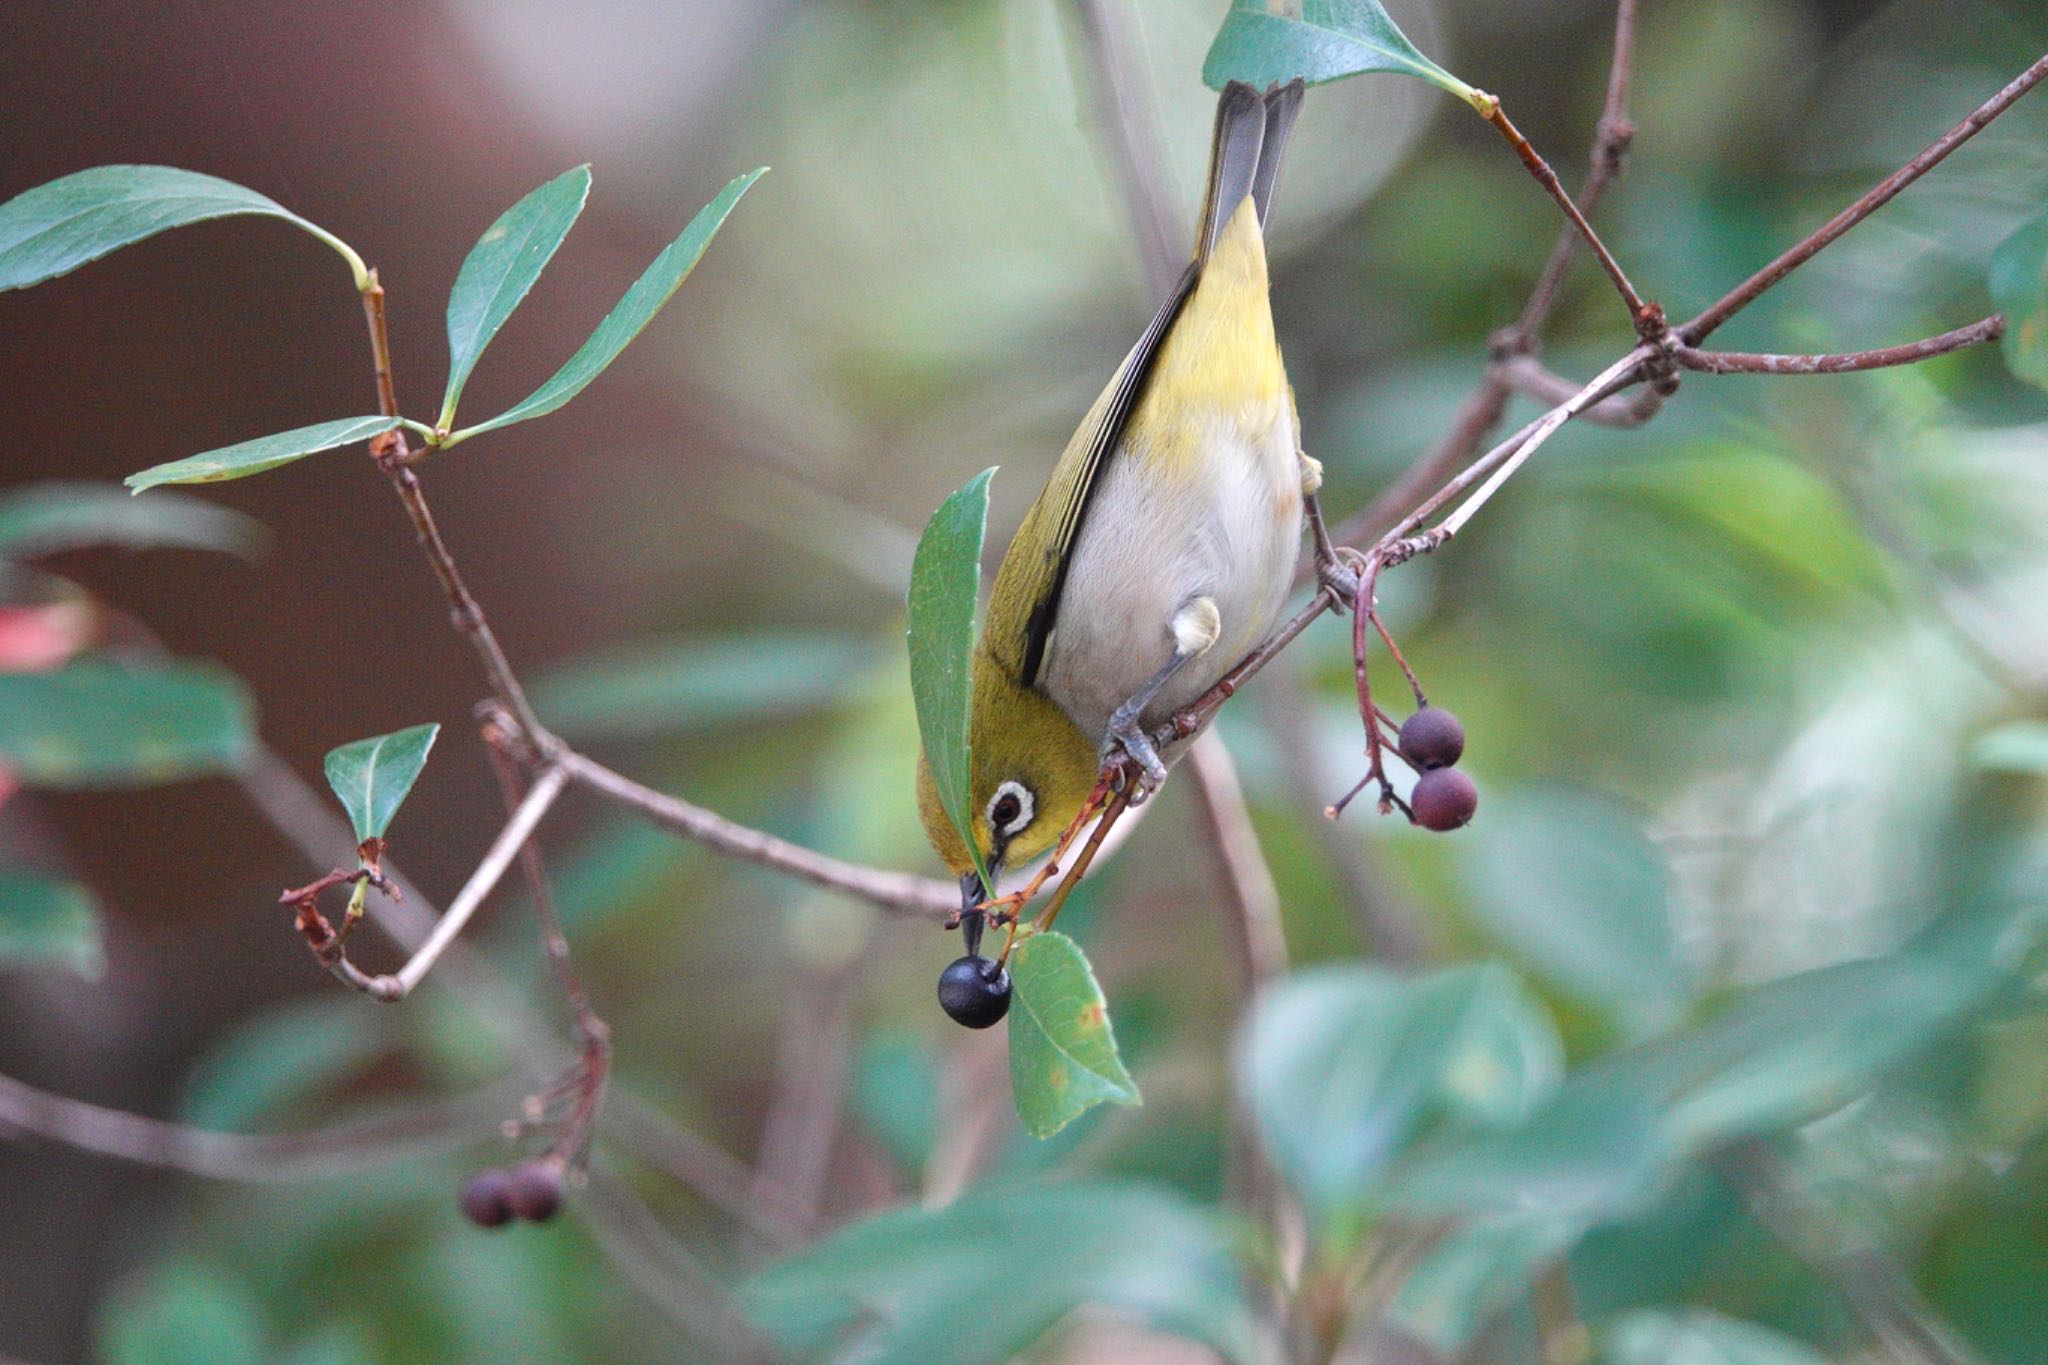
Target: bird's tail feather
{"x": 1252, "y": 131}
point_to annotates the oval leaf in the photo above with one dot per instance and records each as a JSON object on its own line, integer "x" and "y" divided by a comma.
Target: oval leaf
{"x": 1346, "y": 1066}
{"x": 93, "y": 724}
{"x": 46, "y": 517}
{"x": 373, "y": 776}
{"x": 46, "y": 920}
{"x": 2019, "y": 286}
{"x": 1267, "y": 41}
{"x": 632, "y": 313}
{"x": 1567, "y": 881}
{"x": 266, "y": 452}
{"x": 1063, "y": 1057}
{"x": 945, "y": 580}
{"x": 53, "y": 229}
{"x": 499, "y": 270}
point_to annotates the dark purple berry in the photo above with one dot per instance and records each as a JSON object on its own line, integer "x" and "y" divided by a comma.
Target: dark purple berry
{"x": 485, "y": 1200}
{"x": 1432, "y": 738}
{"x": 534, "y": 1190}
{"x": 1444, "y": 798}
{"x": 975, "y": 991}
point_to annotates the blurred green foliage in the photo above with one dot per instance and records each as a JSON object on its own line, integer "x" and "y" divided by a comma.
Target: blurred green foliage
{"x": 1756, "y": 696}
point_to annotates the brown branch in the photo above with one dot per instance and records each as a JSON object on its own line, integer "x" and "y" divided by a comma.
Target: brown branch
{"x": 258, "y": 1158}
{"x": 1646, "y": 317}
{"x": 1746, "y": 293}
{"x": 593, "y": 1069}
{"x": 1483, "y": 408}
{"x": 1912, "y": 352}
{"x": 1257, "y": 937}
{"x": 1530, "y": 377}
{"x": 902, "y": 892}
{"x": 1133, "y": 141}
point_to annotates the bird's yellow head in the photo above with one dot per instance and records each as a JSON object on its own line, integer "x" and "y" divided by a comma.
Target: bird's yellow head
{"x": 1031, "y": 770}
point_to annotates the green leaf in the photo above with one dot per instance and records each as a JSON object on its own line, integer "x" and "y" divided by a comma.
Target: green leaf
{"x": 46, "y": 517}
{"x": 1267, "y": 41}
{"x": 372, "y": 776}
{"x": 642, "y": 691}
{"x": 632, "y": 313}
{"x": 2019, "y": 286}
{"x": 913, "y": 1284}
{"x": 945, "y": 581}
{"x": 183, "y": 1311}
{"x": 1598, "y": 1151}
{"x": 1063, "y": 1057}
{"x": 1568, "y": 882}
{"x": 1345, "y": 1067}
{"x": 95, "y": 724}
{"x": 53, "y": 229}
{"x": 2019, "y": 746}
{"x": 46, "y": 920}
{"x": 265, "y": 452}
{"x": 499, "y": 270}
{"x": 1474, "y": 1272}
{"x": 1649, "y": 1337}
{"x": 283, "y": 1056}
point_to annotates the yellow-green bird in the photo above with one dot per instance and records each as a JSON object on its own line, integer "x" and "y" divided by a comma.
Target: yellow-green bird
{"x": 1163, "y": 546}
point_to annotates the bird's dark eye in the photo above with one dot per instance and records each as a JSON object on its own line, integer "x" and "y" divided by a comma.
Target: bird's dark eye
{"x": 1010, "y": 809}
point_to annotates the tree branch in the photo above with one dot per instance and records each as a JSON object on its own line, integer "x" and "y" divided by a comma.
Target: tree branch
{"x": 1912, "y": 352}
{"x": 1134, "y": 144}
{"x": 1887, "y": 189}
{"x": 265, "y": 1158}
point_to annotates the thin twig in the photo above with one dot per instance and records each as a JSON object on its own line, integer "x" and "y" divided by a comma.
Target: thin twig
{"x": 1257, "y": 936}
{"x": 1133, "y": 141}
{"x": 1526, "y": 375}
{"x": 517, "y": 830}
{"x": 903, "y": 892}
{"x": 1882, "y": 193}
{"x": 264, "y": 1158}
{"x": 1912, "y": 352}
{"x": 593, "y": 1069}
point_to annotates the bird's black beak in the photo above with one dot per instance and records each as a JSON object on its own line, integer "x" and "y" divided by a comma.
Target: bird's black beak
{"x": 972, "y": 894}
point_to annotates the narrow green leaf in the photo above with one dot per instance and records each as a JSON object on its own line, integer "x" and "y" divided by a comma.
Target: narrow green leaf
{"x": 372, "y": 776}
{"x": 501, "y": 267}
{"x": 1063, "y": 1057}
{"x": 53, "y": 229}
{"x": 1267, "y": 41}
{"x": 945, "y": 581}
{"x": 912, "y": 1284}
{"x": 47, "y": 517}
{"x": 266, "y": 452}
{"x": 46, "y": 920}
{"x": 632, "y": 313}
{"x": 666, "y": 687}
{"x": 1345, "y": 1067}
{"x": 94, "y": 724}
{"x": 2019, "y": 286}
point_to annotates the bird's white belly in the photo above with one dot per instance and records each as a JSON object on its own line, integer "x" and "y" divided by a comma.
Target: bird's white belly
{"x": 1154, "y": 542}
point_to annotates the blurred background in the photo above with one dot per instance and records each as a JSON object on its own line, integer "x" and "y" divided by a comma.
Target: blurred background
{"x": 1754, "y": 690}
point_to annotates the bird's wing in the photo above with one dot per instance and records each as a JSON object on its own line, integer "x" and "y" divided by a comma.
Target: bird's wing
{"x": 1237, "y": 169}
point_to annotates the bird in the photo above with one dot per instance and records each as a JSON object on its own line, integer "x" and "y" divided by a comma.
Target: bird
{"x": 1163, "y": 545}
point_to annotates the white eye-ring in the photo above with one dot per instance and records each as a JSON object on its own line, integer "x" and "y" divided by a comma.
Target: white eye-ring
{"x": 1010, "y": 809}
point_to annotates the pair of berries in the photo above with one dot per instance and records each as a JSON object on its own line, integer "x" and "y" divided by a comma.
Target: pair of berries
{"x": 531, "y": 1190}
{"x": 1433, "y": 740}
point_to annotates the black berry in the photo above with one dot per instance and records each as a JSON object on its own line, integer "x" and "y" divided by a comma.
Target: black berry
{"x": 975, "y": 991}
{"x": 534, "y": 1190}
{"x": 1432, "y": 738}
{"x": 1444, "y": 798}
{"x": 485, "y": 1199}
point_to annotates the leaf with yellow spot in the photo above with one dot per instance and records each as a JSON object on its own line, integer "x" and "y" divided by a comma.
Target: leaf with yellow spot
{"x": 1063, "y": 1054}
